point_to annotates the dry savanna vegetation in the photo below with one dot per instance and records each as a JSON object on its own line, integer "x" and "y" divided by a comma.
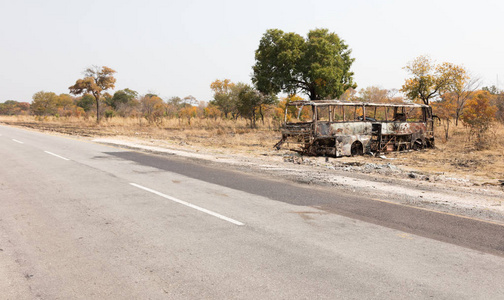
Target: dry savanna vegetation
{"x": 209, "y": 133}
{"x": 247, "y": 118}
{"x": 459, "y": 156}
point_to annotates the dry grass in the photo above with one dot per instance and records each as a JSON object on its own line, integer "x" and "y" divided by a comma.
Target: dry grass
{"x": 208, "y": 133}
{"x": 457, "y": 156}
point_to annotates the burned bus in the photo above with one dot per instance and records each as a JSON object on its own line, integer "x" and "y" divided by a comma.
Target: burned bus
{"x": 336, "y": 128}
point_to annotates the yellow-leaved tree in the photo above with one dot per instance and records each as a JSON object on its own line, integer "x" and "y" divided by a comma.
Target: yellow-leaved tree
{"x": 96, "y": 80}
{"x": 429, "y": 80}
{"x": 153, "y": 108}
{"x": 188, "y": 112}
{"x": 478, "y": 115}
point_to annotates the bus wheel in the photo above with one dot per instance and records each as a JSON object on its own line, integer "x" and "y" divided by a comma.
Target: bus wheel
{"x": 418, "y": 145}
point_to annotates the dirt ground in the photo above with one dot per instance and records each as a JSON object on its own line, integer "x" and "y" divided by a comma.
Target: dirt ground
{"x": 410, "y": 178}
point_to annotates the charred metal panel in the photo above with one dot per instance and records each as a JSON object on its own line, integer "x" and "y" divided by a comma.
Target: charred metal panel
{"x": 351, "y": 128}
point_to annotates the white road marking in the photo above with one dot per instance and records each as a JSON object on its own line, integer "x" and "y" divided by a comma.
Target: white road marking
{"x": 189, "y": 205}
{"x": 56, "y": 155}
{"x": 17, "y": 141}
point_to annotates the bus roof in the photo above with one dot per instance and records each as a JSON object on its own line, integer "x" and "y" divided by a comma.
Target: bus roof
{"x": 341, "y": 103}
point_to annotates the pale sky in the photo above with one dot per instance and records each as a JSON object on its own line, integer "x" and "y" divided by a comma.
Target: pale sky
{"x": 177, "y": 48}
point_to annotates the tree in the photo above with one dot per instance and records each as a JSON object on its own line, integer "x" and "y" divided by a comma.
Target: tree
{"x": 223, "y": 96}
{"x": 175, "y": 101}
{"x": 188, "y": 112}
{"x": 250, "y": 101}
{"x": 478, "y": 115}
{"x": 492, "y": 89}
{"x": 292, "y": 111}
{"x": 212, "y": 111}
{"x": 44, "y": 103}
{"x": 96, "y": 80}
{"x": 122, "y": 97}
{"x": 173, "y": 106}
{"x": 152, "y": 108}
{"x": 190, "y": 100}
{"x": 394, "y": 96}
{"x": 65, "y": 105}
{"x": 65, "y": 102}
{"x": 374, "y": 94}
{"x": 428, "y": 80}
{"x": 123, "y": 102}
{"x": 445, "y": 109}
{"x": 201, "y": 109}
{"x": 318, "y": 66}
{"x": 460, "y": 89}
{"x": 86, "y": 102}
{"x": 497, "y": 100}
{"x": 12, "y": 107}
{"x": 349, "y": 95}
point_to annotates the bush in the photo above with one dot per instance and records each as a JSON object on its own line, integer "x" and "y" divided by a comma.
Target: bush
{"x": 478, "y": 116}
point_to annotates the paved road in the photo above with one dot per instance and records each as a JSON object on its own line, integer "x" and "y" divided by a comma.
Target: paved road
{"x": 87, "y": 221}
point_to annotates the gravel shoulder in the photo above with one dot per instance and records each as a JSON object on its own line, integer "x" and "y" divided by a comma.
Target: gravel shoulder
{"x": 378, "y": 178}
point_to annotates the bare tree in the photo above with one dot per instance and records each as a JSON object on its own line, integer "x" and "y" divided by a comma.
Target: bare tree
{"x": 463, "y": 93}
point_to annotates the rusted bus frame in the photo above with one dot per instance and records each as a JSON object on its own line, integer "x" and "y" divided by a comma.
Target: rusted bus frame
{"x": 315, "y": 138}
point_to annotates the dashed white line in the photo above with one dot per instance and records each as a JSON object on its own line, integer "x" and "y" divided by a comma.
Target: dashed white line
{"x": 17, "y": 141}
{"x": 189, "y": 205}
{"x": 56, "y": 155}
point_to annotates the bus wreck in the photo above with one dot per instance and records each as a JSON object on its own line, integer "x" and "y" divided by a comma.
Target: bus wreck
{"x": 336, "y": 128}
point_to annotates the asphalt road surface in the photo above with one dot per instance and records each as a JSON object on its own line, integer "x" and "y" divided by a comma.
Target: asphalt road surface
{"x": 80, "y": 220}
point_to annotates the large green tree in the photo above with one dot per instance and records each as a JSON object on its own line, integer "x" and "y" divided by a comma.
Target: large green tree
{"x": 318, "y": 66}
{"x": 96, "y": 80}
